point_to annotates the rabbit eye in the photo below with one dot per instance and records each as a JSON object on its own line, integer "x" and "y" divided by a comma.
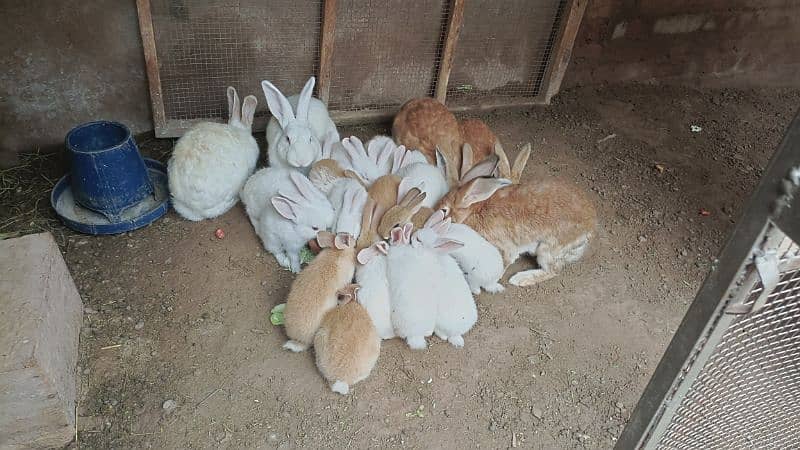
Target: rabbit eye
{"x": 287, "y": 140}
{"x": 315, "y": 228}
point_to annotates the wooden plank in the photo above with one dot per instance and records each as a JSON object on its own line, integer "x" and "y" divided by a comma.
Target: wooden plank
{"x": 448, "y": 53}
{"x": 491, "y": 103}
{"x": 326, "y": 50}
{"x": 562, "y": 51}
{"x": 151, "y": 63}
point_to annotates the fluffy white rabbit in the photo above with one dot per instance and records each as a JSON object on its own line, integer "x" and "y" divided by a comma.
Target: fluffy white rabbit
{"x": 211, "y": 162}
{"x": 429, "y": 179}
{"x": 455, "y": 312}
{"x": 480, "y": 261}
{"x": 349, "y": 207}
{"x": 286, "y": 211}
{"x": 298, "y": 126}
{"x": 374, "y": 295}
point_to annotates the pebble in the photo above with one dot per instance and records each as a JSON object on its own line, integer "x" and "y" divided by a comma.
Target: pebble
{"x": 264, "y": 283}
{"x": 620, "y": 405}
{"x": 642, "y": 239}
{"x": 169, "y": 406}
{"x": 538, "y": 413}
{"x": 139, "y": 325}
{"x": 168, "y": 261}
{"x": 684, "y": 252}
{"x": 492, "y": 426}
{"x": 273, "y": 437}
{"x": 88, "y": 310}
{"x": 86, "y": 371}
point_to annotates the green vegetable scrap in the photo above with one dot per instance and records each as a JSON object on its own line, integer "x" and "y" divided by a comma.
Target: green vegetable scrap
{"x": 276, "y": 315}
{"x": 418, "y": 413}
{"x": 306, "y": 255}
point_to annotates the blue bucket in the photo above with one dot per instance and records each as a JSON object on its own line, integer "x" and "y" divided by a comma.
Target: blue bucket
{"x": 108, "y": 175}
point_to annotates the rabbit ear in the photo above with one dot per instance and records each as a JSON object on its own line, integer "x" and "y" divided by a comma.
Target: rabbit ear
{"x": 354, "y": 149}
{"x": 407, "y": 228}
{"x": 285, "y": 207}
{"x": 348, "y": 293}
{"x": 249, "y": 111}
{"x": 442, "y": 227}
{"x": 343, "y": 241}
{"x": 435, "y": 218}
{"x": 396, "y": 235}
{"x": 503, "y": 167}
{"x": 304, "y": 102}
{"x": 382, "y": 247}
{"x": 484, "y": 168}
{"x": 325, "y": 239}
{"x": 466, "y": 159}
{"x": 405, "y": 186}
{"x": 520, "y": 162}
{"x": 384, "y": 153}
{"x": 278, "y": 105}
{"x": 304, "y": 186}
{"x": 479, "y": 190}
{"x": 234, "y": 113}
{"x": 447, "y": 245}
{"x": 366, "y": 255}
{"x": 441, "y": 163}
{"x": 355, "y": 176}
{"x": 327, "y": 144}
{"x": 414, "y": 202}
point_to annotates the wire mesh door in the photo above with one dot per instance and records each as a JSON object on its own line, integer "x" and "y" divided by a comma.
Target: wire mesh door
{"x": 731, "y": 375}
{"x": 370, "y": 56}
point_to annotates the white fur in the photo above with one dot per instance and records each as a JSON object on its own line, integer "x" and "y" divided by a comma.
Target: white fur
{"x": 211, "y": 162}
{"x": 455, "y": 309}
{"x": 340, "y": 387}
{"x": 375, "y": 148}
{"x": 296, "y": 141}
{"x": 348, "y": 198}
{"x": 480, "y": 261}
{"x": 295, "y": 346}
{"x": 374, "y": 294}
{"x": 429, "y": 179}
{"x": 410, "y": 272}
{"x": 281, "y": 236}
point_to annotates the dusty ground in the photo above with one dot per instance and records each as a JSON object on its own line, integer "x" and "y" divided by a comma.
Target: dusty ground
{"x": 175, "y": 315}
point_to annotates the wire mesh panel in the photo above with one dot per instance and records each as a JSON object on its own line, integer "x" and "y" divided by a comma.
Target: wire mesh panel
{"x": 504, "y": 49}
{"x": 204, "y": 46}
{"x": 747, "y": 394}
{"x": 385, "y": 52}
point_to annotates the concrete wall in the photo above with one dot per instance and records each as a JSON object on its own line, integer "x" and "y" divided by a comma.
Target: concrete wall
{"x": 65, "y": 62}
{"x": 68, "y": 61}
{"x": 739, "y": 42}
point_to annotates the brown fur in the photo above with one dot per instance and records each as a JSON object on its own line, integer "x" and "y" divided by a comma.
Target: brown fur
{"x": 313, "y": 292}
{"x": 550, "y": 210}
{"x": 421, "y": 217}
{"x": 384, "y": 192}
{"x": 477, "y": 134}
{"x": 400, "y": 213}
{"x": 347, "y": 344}
{"x": 424, "y": 124}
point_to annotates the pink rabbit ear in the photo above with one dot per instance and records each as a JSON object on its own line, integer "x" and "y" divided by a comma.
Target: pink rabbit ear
{"x": 442, "y": 227}
{"x": 325, "y": 239}
{"x": 435, "y": 218}
{"x": 284, "y": 207}
{"x": 447, "y": 245}
{"x": 382, "y": 247}
{"x": 343, "y": 241}
{"x": 304, "y": 187}
{"x": 407, "y": 228}
{"x": 366, "y": 255}
{"x": 396, "y": 235}
{"x": 234, "y": 111}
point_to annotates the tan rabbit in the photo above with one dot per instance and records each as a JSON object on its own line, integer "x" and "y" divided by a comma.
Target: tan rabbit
{"x": 504, "y": 169}
{"x": 550, "y": 219}
{"x": 420, "y": 217}
{"x": 313, "y": 291}
{"x": 401, "y": 213}
{"x": 347, "y": 344}
{"x": 476, "y": 133}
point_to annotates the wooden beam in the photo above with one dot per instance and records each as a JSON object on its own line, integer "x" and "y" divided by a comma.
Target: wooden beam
{"x": 448, "y": 53}
{"x": 559, "y": 60}
{"x": 151, "y": 64}
{"x": 326, "y": 50}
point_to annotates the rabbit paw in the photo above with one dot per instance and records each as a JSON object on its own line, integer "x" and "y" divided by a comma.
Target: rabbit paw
{"x": 416, "y": 342}
{"x": 340, "y": 387}
{"x": 495, "y": 288}
{"x": 294, "y": 263}
{"x": 475, "y": 290}
{"x": 456, "y": 341}
{"x": 295, "y": 346}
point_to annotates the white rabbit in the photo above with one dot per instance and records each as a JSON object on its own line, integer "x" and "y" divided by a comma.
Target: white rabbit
{"x": 375, "y": 297}
{"x": 456, "y": 311}
{"x": 480, "y": 261}
{"x": 298, "y": 126}
{"x": 380, "y": 148}
{"x": 409, "y": 271}
{"x": 369, "y": 167}
{"x": 211, "y": 162}
{"x": 286, "y": 211}
{"x": 428, "y": 178}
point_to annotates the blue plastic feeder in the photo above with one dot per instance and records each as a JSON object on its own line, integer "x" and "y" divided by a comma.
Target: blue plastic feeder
{"x": 108, "y": 173}
{"x": 110, "y": 188}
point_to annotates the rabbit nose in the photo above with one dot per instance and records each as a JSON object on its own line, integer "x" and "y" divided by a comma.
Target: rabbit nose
{"x": 299, "y": 161}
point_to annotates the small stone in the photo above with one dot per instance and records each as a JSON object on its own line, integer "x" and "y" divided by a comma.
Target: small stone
{"x": 169, "y": 406}
{"x": 642, "y": 239}
{"x": 88, "y": 310}
{"x": 273, "y": 437}
{"x": 86, "y": 371}
{"x": 113, "y": 402}
{"x": 538, "y": 413}
{"x": 264, "y": 283}
{"x": 139, "y": 325}
{"x": 168, "y": 261}
{"x": 620, "y": 405}
{"x": 492, "y": 426}
{"x": 684, "y": 252}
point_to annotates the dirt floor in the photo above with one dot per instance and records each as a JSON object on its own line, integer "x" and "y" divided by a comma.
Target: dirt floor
{"x": 177, "y": 350}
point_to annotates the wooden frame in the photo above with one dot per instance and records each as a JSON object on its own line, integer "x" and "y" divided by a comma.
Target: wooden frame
{"x": 555, "y": 68}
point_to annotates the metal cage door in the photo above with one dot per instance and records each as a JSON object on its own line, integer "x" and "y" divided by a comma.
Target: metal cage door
{"x": 730, "y": 377}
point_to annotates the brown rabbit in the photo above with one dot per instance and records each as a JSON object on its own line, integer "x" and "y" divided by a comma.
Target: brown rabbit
{"x": 550, "y": 219}
{"x": 326, "y": 172}
{"x": 476, "y": 133}
{"x": 347, "y": 344}
{"x": 402, "y": 212}
{"x": 313, "y": 291}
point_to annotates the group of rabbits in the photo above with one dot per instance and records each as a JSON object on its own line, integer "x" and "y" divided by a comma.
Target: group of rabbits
{"x": 407, "y": 228}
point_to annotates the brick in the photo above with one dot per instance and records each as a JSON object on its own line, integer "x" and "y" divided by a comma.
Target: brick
{"x": 40, "y": 320}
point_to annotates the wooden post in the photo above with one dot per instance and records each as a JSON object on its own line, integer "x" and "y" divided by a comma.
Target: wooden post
{"x": 326, "y": 50}
{"x": 563, "y": 51}
{"x": 151, "y": 63}
{"x": 453, "y": 30}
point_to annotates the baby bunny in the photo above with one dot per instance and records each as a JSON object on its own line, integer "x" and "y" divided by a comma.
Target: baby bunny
{"x": 349, "y": 206}
{"x": 297, "y": 128}
{"x": 346, "y": 344}
{"x": 480, "y": 261}
{"x": 401, "y": 213}
{"x": 371, "y": 275}
{"x": 286, "y": 211}
{"x": 413, "y": 304}
{"x": 550, "y": 219}
{"x": 313, "y": 291}
{"x": 429, "y": 179}
{"x": 211, "y": 162}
